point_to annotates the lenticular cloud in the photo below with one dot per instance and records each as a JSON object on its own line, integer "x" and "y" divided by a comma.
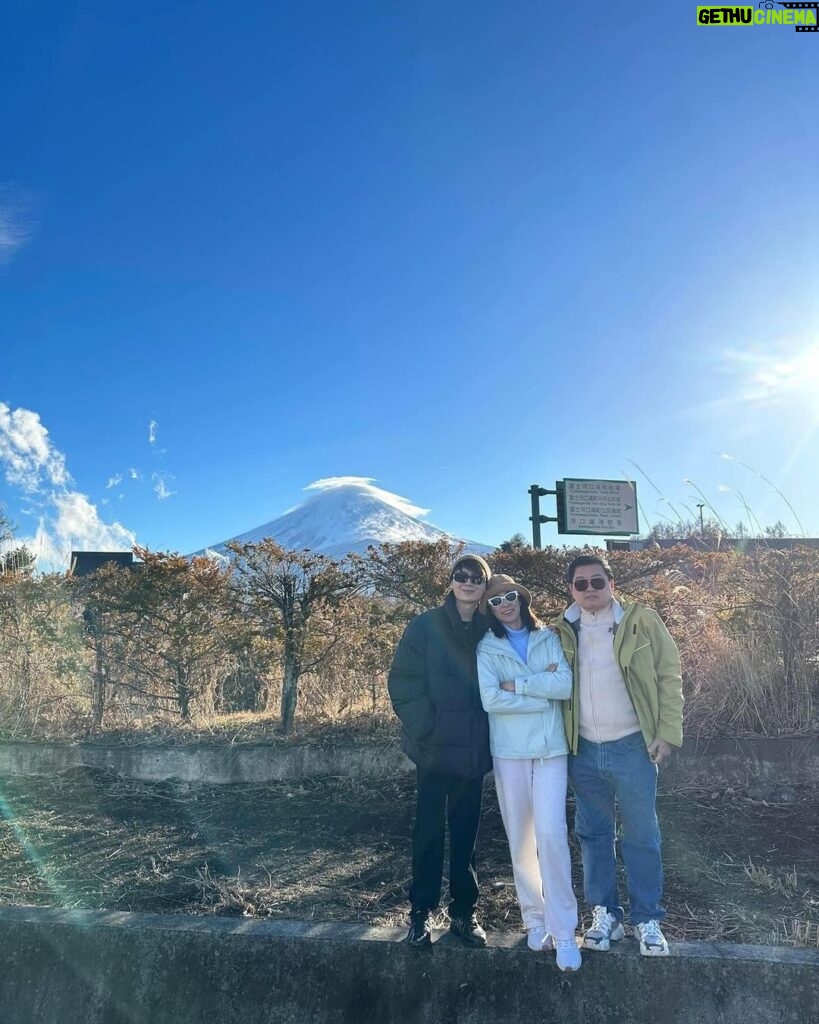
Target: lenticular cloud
{"x": 364, "y": 484}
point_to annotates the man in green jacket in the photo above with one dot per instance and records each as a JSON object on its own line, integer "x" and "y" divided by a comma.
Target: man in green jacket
{"x": 624, "y": 717}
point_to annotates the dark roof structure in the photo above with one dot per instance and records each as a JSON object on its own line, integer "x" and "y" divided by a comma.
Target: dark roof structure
{"x": 83, "y": 563}
{"x": 725, "y": 543}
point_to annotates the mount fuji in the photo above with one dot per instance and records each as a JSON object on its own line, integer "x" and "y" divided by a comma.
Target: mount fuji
{"x": 347, "y": 513}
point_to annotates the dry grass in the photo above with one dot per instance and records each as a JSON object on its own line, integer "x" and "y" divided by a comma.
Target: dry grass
{"x": 246, "y": 727}
{"x": 741, "y": 693}
{"x": 338, "y": 849}
{"x": 785, "y": 884}
{"x": 802, "y": 933}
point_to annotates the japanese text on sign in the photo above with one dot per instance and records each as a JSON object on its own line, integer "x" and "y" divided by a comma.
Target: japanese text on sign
{"x": 600, "y": 506}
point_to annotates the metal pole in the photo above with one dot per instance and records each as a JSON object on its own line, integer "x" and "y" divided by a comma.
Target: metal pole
{"x": 702, "y": 524}
{"x": 535, "y": 491}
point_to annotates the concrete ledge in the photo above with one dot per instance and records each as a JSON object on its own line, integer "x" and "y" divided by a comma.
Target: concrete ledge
{"x": 207, "y": 763}
{"x": 772, "y": 761}
{"x": 85, "y": 967}
{"x": 767, "y": 760}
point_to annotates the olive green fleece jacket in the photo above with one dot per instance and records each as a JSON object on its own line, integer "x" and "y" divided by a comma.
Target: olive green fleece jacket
{"x": 650, "y": 665}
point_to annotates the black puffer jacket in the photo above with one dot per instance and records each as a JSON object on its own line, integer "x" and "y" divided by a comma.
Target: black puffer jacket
{"x": 433, "y": 686}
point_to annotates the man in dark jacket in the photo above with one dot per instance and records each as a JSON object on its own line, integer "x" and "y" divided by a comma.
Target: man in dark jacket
{"x": 433, "y": 685}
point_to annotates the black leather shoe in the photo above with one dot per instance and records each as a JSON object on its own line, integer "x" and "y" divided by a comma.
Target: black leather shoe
{"x": 418, "y": 935}
{"x": 468, "y": 930}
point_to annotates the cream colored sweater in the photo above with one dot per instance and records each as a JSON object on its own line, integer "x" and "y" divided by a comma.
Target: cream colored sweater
{"x": 606, "y": 711}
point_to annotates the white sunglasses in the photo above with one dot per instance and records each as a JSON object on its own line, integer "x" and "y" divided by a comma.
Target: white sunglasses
{"x": 511, "y": 596}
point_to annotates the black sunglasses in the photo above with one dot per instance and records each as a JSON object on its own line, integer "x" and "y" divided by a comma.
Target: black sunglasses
{"x": 597, "y": 583}
{"x": 468, "y": 577}
{"x": 511, "y": 596}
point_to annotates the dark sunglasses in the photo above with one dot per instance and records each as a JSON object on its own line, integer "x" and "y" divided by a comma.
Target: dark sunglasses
{"x": 468, "y": 577}
{"x": 597, "y": 583}
{"x": 511, "y": 596}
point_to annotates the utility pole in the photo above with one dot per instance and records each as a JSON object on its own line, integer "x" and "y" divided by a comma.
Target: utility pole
{"x": 702, "y": 524}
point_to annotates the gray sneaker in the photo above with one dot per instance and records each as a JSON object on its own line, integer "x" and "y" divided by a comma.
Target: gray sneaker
{"x": 652, "y": 940}
{"x": 605, "y": 929}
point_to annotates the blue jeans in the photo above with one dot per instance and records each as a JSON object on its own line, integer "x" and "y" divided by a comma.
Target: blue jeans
{"x": 621, "y": 771}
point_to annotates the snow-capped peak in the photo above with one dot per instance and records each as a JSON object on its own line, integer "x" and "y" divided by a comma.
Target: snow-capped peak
{"x": 365, "y": 486}
{"x": 347, "y": 513}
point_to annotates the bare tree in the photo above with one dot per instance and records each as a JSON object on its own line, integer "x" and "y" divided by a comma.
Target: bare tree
{"x": 40, "y": 651}
{"x": 167, "y": 628}
{"x": 15, "y": 560}
{"x": 293, "y": 594}
{"x": 414, "y": 572}
{"x": 105, "y": 606}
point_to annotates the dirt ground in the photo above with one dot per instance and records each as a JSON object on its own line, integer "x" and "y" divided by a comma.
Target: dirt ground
{"x": 737, "y": 869}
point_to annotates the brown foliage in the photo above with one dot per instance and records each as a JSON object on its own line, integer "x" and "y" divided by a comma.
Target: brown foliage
{"x": 180, "y": 637}
{"x": 40, "y": 655}
{"x": 163, "y": 629}
{"x": 413, "y": 573}
{"x": 298, "y": 596}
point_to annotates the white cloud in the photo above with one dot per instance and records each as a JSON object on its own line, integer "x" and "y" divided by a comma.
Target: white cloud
{"x": 161, "y": 489}
{"x": 134, "y": 474}
{"x": 153, "y": 426}
{"x": 79, "y": 526}
{"x": 75, "y": 525}
{"x": 14, "y": 221}
{"x": 43, "y": 545}
{"x": 27, "y": 452}
{"x": 67, "y": 519}
{"x": 365, "y": 484}
{"x": 114, "y": 481}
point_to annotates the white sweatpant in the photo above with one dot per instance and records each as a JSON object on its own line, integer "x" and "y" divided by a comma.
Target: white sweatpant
{"x": 532, "y": 798}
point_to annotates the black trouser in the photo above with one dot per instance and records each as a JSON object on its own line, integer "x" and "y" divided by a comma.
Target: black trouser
{"x": 441, "y": 799}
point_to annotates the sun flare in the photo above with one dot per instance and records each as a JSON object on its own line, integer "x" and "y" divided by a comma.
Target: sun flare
{"x": 787, "y": 374}
{"x": 800, "y": 373}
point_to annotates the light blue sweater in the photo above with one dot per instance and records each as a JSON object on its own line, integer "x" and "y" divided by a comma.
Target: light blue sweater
{"x": 529, "y": 722}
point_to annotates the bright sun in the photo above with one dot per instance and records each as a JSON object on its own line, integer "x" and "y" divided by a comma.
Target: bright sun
{"x": 800, "y": 373}
{"x": 786, "y": 374}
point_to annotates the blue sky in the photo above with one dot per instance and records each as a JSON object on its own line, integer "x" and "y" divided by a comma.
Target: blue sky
{"x": 456, "y": 247}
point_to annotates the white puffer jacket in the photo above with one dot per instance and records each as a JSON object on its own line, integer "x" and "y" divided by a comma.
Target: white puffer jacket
{"x": 529, "y": 722}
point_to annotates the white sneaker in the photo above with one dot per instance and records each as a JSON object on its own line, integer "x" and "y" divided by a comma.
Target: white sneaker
{"x": 568, "y": 955}
{"x": 605, "y": 929}
{"x": 538, "y": 939}
{"x": 652, "y": 940}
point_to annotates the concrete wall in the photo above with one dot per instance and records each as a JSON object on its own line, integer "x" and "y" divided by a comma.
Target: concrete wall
{"x": 212, "y": 763}
{"x": 758, "y": 760}
{"x": 765, "y": 766}
{"x": 84, "y": 967}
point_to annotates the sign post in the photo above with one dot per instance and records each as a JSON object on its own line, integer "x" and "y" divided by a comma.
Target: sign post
{"x": 599, "y": 507}
{"x": 537, "y": 493}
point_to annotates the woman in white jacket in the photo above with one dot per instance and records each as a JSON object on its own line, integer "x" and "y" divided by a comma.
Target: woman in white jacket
{"x": 523, "y": 676}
